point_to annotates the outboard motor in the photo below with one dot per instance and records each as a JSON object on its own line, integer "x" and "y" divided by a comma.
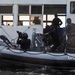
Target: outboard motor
{"x": 23, "y": 41}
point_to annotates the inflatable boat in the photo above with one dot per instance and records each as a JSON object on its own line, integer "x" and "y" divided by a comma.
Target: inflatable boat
{"x": 16, "y": 57}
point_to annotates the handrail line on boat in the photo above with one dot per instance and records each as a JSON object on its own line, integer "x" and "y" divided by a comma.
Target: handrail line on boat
{"x": 37, "y": 53}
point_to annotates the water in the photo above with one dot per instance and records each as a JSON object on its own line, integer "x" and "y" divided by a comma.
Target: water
{"x": 35, "y": 71}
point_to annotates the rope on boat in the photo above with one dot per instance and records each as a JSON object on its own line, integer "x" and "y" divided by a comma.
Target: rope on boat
{"x": 35, "y": 53}
{"x": 23, "y": 52}
{"x": 14, "y": 51}
{"x": 46, "y": 53}
{"x": 56, "y": 54}
{"x": 26, "y": 29}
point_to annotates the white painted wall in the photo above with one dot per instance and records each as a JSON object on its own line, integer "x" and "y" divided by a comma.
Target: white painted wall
{"x": 33, "y": 1}
{"x": 41, "y": 1}
{"x": 3, "y": 2}
{"x": 69, "y": 15}
{"x": 12, "y": 30}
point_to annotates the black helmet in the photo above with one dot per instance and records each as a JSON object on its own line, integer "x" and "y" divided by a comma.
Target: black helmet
{"x": 24, "y": 35}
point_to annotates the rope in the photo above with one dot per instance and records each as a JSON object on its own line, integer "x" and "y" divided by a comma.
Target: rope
{"x": 6, "y": 32}
{"x": 56, "y": 54}
{"x": 34, "y": 53}
{"x": 26, "y": 29}
{"x": 14, "y": 51}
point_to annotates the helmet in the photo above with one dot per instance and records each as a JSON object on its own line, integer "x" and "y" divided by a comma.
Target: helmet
{"x": 24, "y": 35}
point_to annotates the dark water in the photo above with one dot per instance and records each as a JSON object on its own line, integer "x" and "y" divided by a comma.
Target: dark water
{"x": 35, "y": 71}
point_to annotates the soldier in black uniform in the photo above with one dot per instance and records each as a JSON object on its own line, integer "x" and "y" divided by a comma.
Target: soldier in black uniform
{"x": 23, "y": 41}
{"x": 56, "y": 22}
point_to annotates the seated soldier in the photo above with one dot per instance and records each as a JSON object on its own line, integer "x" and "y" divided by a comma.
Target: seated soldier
{"x": 47, "y": 37}
{"x": 23, "y": 41}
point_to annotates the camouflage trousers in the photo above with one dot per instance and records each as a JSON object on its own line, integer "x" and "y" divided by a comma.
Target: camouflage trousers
{"x": 70, "y": 42}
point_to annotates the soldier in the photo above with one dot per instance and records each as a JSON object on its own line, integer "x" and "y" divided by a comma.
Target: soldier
{"x": 70, "y": 32}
